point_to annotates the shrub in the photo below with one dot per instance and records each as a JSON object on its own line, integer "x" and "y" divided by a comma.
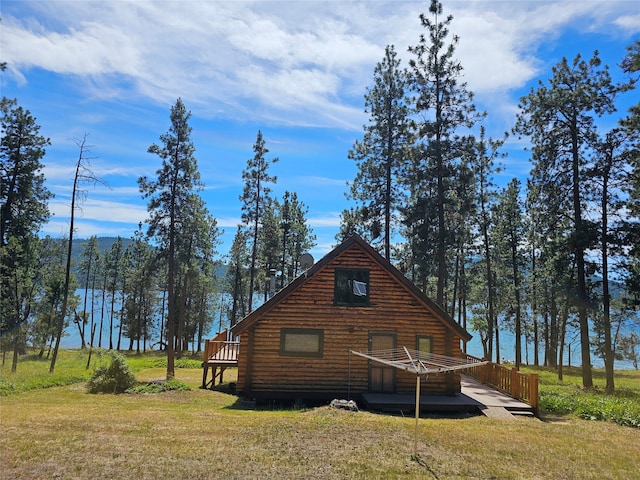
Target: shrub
{"x": 6, "y": 388}
{"x": 115, "y": 378}
{"x": 180, "y": 363}
{"x": 158, "y": 387}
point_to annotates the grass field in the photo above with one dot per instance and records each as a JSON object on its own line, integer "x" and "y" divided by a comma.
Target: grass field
{"x": 64, "y": 432}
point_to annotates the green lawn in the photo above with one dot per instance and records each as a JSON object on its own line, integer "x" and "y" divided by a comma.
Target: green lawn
{"x": 64, "y": 432}
{"x": 568, "y": 397}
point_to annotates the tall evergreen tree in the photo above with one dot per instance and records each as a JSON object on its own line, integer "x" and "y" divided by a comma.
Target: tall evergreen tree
{"x": 24, "y": 196}
{"x": 236, "y": 277}
{"x": 270, "y": 245}
{"x": 299, "y": 237}
{"x": 196, "y": 247}
{"x": 142, "y": 296}
{"x": 23, "y": 208}
{"x": 51, "y": 267}
{"x": 560, "y": 117}
{"x": 114, "y": 273}
{"x": 610, "y": 177}
{"x": 552, "y": 267}
{"x": 508, "y": 235}
{"x": 170, "y": 194}
{"x": 90, "y": 259}
{"x": 443, "y": 107}
{"x": 631, "y": 65}
{"x": 483, "y": 154}
{"x": 254, "y": 199}
{"x": 383, "y": 150}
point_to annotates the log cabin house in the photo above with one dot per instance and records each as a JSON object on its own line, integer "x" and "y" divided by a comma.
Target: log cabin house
{"x": 297, "y": 344}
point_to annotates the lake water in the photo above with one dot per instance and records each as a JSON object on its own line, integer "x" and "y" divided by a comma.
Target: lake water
{"x": 474, "y": 347}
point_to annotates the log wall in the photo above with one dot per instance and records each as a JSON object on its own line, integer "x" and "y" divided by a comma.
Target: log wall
{"x": 393, "y": 309}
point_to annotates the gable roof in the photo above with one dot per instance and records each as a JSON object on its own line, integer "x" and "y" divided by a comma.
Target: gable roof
{"x": 254, "y": 316}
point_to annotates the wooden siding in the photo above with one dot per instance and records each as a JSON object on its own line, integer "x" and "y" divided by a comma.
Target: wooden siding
{"x": 263, "y": 372}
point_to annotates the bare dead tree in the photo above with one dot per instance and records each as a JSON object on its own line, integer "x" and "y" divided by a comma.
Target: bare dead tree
{"x": 83, "y": 175}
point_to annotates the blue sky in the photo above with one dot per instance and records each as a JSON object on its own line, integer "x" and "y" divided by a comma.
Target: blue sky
{"x": 297, "y": 71}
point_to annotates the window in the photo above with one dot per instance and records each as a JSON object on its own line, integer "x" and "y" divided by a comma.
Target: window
{"x": 424, "y": 344}
{"x": 301, "y": 342}
{"x": 351, "y": 287}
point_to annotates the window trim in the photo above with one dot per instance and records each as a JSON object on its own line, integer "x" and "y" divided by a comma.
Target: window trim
{"x": 301, "y": 331}
{"x": 351, "y": 273}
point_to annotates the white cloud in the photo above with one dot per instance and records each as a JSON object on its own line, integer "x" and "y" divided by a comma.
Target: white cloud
{"x": 629, "y": 22}
{"x": 101, "y": 210}
{"x": 329, "y": 219}
{"x": 295, "y": 63}
{"x": 229, "y": 222}
{"x": 84, "y": 229}
{"x": 287, "y": 62}
{"x": 315, "y": 181}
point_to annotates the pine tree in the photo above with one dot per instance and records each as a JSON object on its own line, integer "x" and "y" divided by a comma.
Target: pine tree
{"x": 560, "y": 119}
{"x": 481, "y": 156}
{"x": 254, "y": 199}
{"x": 443, "y": 107}
{"x": 90, "y": 259}
{"x": 610, "y": 176}
{"x": 237, "y": 266}
{"x": 170, "y": 195}
{"x": 141, "y": 297}
{"x": 299, "y": 237}
{"x": 631, "y": 65}
{"x": 23, "y": 208}
{"x": 508, "y": 234}
{"x": 114, "y": 268}
{"x": 381, "y": 154}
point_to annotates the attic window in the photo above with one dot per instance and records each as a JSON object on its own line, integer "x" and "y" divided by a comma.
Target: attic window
{"x": 351, "y": 287}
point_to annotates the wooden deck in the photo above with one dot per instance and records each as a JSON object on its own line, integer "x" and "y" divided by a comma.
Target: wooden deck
{"x": 475, "y": 397}
{"x": 219, "y": 353}
{"x": 494, "y": 390}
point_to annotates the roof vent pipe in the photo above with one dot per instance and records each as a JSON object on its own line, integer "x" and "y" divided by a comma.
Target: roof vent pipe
{"x": 272, "y": 282}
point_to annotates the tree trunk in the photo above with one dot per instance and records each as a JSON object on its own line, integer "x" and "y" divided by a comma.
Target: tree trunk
{"x": 585, "y": 345}
{"x": 67, "y": 274}
{"x": 606, "y": 300}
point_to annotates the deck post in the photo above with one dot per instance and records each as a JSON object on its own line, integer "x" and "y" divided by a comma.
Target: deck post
{"x": 486, "y": 373}
{"x": 515, "y": 384}
{"x": 205, "y": 371}
{"x": 214, "y": 374}
{"x": 534, "y": 399}
{"x": 415, "y": 436}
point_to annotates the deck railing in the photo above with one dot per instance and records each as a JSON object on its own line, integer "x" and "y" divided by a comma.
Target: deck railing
{"x": 219, "y": 348}
{"x": 523, "y": 386}
{"x": 219, "y": 352}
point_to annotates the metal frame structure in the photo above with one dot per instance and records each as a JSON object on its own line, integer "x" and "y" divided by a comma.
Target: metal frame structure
{"x": 421, "y": 364}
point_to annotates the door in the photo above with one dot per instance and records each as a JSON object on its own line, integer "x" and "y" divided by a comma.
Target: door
{"x": 382, "y": 378}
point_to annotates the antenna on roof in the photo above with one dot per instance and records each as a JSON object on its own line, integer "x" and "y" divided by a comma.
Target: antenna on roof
{"x": 306, "y": 261}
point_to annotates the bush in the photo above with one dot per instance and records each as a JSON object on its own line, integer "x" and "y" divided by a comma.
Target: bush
{"x": 116, "y": 378}
{"x": 159, "y": 387}
{"x": 180, "y": 363}
{"x": 7, "y": 388}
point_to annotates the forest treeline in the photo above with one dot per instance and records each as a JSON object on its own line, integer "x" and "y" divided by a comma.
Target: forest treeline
{"x": 537, "y": 259}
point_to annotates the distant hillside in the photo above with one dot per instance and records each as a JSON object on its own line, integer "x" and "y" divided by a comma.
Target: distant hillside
{"x": 104, "y": 245}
